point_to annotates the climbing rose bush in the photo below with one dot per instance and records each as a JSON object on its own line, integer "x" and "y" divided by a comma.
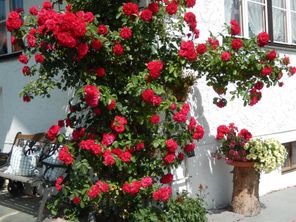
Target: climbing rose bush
{"x": 240, "y": 67}
{"x": 130, "y": 128}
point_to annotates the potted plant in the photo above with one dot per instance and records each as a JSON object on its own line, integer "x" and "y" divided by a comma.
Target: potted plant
{"x": 250, "y": 157}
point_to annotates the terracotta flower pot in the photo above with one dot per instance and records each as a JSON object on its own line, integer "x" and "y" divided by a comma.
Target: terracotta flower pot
{"x": 245, "y": 195}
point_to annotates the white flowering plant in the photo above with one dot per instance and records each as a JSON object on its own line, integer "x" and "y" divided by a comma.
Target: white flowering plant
{"x": 268, "y": 154}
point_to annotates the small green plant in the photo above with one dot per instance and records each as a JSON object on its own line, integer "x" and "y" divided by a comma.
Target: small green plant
{"x": 180, "y": 209}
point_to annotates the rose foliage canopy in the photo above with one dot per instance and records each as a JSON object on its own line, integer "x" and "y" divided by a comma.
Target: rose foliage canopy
{"x": 124, "y": 64}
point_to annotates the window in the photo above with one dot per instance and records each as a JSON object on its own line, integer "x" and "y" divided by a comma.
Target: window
{"x": 290, "y": 163}
{"x": 277, "y": 17}
{"x": 5, "y": 7}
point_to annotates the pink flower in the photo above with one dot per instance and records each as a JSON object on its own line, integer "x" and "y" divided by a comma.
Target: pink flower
{"x": 146, "y": 182}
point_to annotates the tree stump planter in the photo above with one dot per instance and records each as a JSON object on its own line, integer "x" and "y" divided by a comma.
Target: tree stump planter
{"x": 245, "y": 196}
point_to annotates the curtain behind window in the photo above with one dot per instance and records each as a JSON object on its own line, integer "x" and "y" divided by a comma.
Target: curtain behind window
{"x": 256, "y": 23}
{"x": 16, "y": 4}
{"x": 232, "y": 10}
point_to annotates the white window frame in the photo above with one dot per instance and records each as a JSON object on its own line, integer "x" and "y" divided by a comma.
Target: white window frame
{"x": 245, "y": 15}
{"x": 244, "y": 18}
{"x": 8, "y": 8}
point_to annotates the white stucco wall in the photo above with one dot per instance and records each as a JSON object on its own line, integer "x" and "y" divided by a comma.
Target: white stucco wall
{"x": 15, "y": 115}
{"x": 274, "y": 116}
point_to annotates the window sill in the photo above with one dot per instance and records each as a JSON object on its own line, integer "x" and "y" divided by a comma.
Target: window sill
{"x": 281, "y": 46}
{"x": 288, "y": 169}
{"x": 9, "y": 56}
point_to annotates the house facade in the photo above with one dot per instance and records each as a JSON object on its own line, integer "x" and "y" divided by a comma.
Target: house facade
{"x": 274, "y": 116}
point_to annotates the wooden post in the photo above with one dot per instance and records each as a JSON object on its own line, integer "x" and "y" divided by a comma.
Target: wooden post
{"x": 245, "y": 196}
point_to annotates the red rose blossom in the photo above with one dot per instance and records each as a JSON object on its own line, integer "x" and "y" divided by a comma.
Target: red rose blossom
{"x": 271, "y": 55}
{"x": 52, "y": 132}
{"x": 130, "y": 9}
{"x": 96, "y": 44}
{"x": 153, "y": 7}
{"x": 169, "y": 158}
{"x": 33, "y": 10}
{"x": 189, "y": 147}
{"x": 118, "y": 124}
{"x": 181, "y": 156}
{"x": 162, "y": 194}
{"x": 198, "y": 133}
{"x": 172, "y": 8}
{"x": 39, "y": 58}
{"x": 259, "y": 85}
{"x": 146, "y": 15}
{"x": 112, "y": 105}
{"x": 140, "y": 146}
{"x": 155, "y": 67}
{"x": 225, "y": 56}
{"x": 292, "y": 70}
{"x": 108, "y": 139}
{"x": 13, "y": 21}
{"x": 235, "y": 29}
{"x": 26, "y": 70}
{"x": 262, "y": 39}
{"x": 58, "y": 183}
{"x": 91, "y": 95}
{"x": 82, "y": 50}
{"x": 102, "y": 30}
{"x": 155, "y": 119}
{"x": 245, "y": 134}
{"x": 100, "y": 72}
{"x": 126, "y": 33}
{"x": 65, "y": 156}
{"x": 168, "y": 178}
{"x": 147, "y": 95}
{"x": 118, "y": 49}
{"x": 236, "y": 44}
{"x": 76, "y": 200}
{"x": 190, "y": 3}
{"x": 171, "y": 145}
{"x": 266, "y": 70}
{"x": 201, "y": 48}
{"x": 146, "y": 182}
{"x": 23, "y": 59}
{"x": 47, "y": 5}
{"x": 187, "y": 50}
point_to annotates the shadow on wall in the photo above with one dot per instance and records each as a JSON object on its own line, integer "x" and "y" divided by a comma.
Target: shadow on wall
{"x": 15, "y": 115}
{"x": 208, "y": 177}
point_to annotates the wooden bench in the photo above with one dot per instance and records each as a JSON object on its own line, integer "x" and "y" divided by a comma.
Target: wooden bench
{"x": 29, "y": 144}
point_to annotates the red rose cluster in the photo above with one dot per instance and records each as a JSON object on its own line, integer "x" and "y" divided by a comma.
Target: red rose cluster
{"x": 96, "y": 149}
{"x": 65, "y": 156}
{"x": 148, "y": 96}
{"x": 118, "y": 124}
{"x": 162, "y": 194}
{"x": 233, "y": 141}
{"x": 98, "y": 188}
{"x": 52, "y": 132}
{"x": 134, "y": 187}
{"x": 91, "y": 95}
{"x": 155, "y": 68}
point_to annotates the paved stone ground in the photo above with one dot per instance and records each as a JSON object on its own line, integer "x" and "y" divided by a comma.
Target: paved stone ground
{"x": 279, "y": 206}
{"x": 20, "y": 209}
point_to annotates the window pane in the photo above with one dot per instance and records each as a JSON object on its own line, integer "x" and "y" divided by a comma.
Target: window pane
{"x": 2, "y": 10}
{"x": 293, "y": 20}
{"x": 278, "y": 3}
{"x": 293, "y": 5}
{"x": 232, "y": 10}
{"x": 256, "y": 21}
{"x": 16, "y": 4}
{"x": 261, "y": 1}
{"x": 3, "y": 39}
{"x": 294, "y": 154}
{"x": 279, "y": 25}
